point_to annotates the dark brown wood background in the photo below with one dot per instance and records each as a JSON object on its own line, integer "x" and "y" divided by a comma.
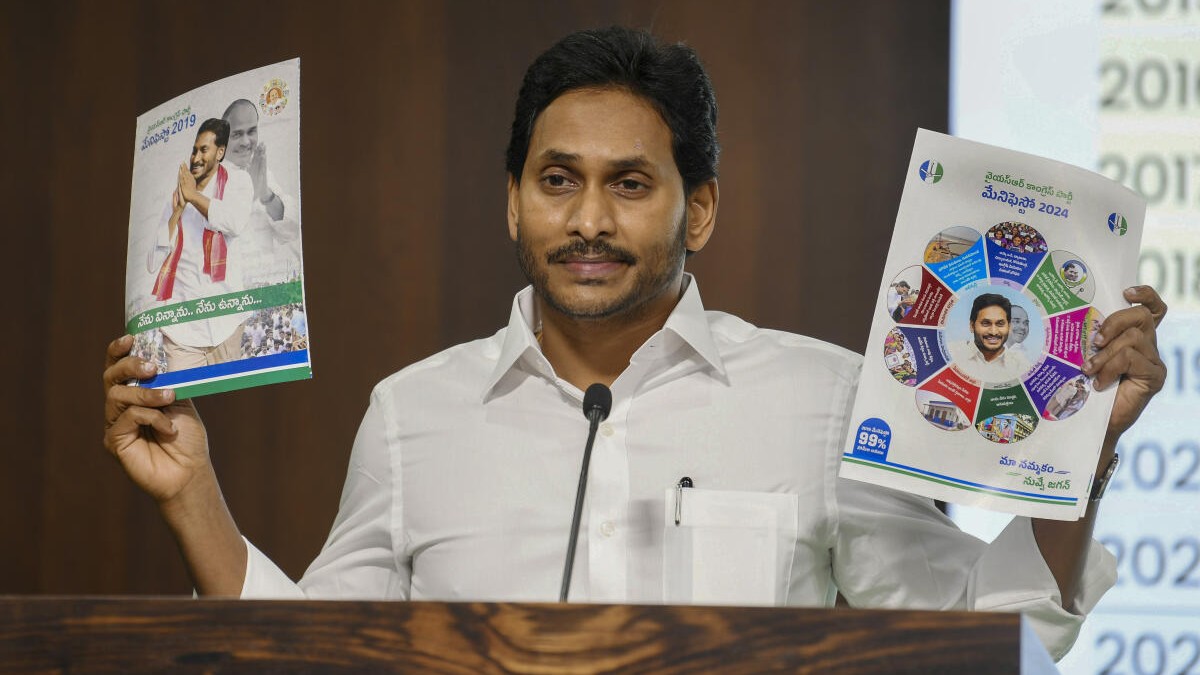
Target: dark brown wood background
{"x": 406, "y": 113}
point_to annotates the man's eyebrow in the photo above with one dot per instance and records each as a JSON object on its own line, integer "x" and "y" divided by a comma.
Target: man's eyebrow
{"x": 622, "y": 164}
{"x": 560, "y": 156}
{"x": 627, "y": 163}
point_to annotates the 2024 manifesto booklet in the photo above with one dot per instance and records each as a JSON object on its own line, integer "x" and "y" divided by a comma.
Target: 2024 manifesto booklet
{"x": 214, "y": 292}
{"x": 1002, "y": 268}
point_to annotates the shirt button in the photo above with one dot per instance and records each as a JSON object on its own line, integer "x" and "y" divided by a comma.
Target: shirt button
{"x": 606, "y": 429}
{"x": 607, "y": 528}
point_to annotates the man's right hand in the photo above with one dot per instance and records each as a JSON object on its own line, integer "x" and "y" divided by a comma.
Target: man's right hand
{"x": 159, "y": 441}
{"x": 163, "y": 447}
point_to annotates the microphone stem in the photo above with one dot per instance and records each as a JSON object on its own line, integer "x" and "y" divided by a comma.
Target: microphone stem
{"x": 594, "y": 417}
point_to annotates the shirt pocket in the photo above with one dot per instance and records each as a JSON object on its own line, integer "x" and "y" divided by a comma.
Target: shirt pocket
{"x": 729, "y": 547}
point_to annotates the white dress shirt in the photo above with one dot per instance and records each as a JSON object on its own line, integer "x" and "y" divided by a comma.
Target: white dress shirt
{"x": 462, "y": 481}
{"x": 227, "y": 215}
{"x": 1009, "y": 365}
{"x": 271, "y": 246}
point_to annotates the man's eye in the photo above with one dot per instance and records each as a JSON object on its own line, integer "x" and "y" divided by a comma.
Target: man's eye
{"x": 555, "y": 180}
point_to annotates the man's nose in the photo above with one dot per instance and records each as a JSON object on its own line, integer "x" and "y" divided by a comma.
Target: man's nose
{"x": 592, "y": 213}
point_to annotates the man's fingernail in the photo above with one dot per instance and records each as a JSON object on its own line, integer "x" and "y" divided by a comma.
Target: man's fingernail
{"x": 167, "y": 394}
{"x": 126, "y": 339}
{"x": 148, "y": 367}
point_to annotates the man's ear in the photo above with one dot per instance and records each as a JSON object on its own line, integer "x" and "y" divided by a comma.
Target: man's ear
{"x": 514, "y": 202}
{"x": 220, "y": 153}
{"x": 702, "y": 214}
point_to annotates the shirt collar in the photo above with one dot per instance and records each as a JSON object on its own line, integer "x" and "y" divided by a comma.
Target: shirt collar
{"x": 976, "y": 355}
{"x": 688, "y": 321}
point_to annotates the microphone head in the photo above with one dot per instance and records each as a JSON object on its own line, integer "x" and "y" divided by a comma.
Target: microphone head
{"x": 597, "y": 400}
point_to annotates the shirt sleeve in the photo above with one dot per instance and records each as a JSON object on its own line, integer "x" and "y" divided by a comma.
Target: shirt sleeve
{"x": 358, "y": 560}
{"x": 162, "y": 242}
{"x": 229, "y": 214}
{"x": 287, "y": 227}
{"x": 896, "y": 550}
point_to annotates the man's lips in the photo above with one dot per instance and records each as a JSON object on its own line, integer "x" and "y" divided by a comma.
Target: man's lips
{"x": 592, "y": 267}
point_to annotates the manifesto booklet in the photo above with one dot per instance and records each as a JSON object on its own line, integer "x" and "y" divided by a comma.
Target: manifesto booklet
{"x": 214, "y": 286}
{"x": 1002, "y": 268}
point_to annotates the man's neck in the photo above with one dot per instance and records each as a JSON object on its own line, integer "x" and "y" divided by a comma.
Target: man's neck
{"x": 583, "y": 352}
{"x": 204, "y": 180}
{"x": 992, "y": 356}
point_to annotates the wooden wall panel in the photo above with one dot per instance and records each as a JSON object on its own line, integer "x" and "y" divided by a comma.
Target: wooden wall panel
{"x": 406, "y": 111}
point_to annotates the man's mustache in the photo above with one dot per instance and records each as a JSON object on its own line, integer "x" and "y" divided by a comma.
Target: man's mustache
{"x": 597, "y": 249}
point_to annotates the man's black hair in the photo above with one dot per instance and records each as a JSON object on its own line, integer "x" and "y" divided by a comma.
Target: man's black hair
{"x": 991, "y": 300}
{"x": 220, "y": 129}
{"x": 669, "y": 77}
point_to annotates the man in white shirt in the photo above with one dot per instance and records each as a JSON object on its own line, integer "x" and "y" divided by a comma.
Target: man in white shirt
{"x": 898, "y": 296}
{"x": 1020, "y": 326}
{"x": 272, "y": 235}
{"x": 196, "y": 254}
{"x": 463, "y": 472}
{"x": 985, "y": 356}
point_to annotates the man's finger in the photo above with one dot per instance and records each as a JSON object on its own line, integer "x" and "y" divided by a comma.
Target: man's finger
{"x": 1133, "y": 366}
{"x": 126, "y": 369}
{"x": 1139, "y": 317}
{"x": 1135, "y": 338}
{"x": 128, "y": 427}
{"x": 117, "y": 349}
{"x": 1131, "y": 354}
{"x": 1148, "y": 298}
{"x": 121, "y": 397}
{"x": 1108, "y": 372}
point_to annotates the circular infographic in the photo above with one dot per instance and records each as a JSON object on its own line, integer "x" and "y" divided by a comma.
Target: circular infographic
{"x": 991, "y": 331}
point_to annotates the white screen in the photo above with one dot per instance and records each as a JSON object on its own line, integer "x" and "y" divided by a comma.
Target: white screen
{"x": 1114, "y": 85}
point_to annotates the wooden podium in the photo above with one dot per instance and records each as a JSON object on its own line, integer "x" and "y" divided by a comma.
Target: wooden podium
{"x": 169, "y": 635}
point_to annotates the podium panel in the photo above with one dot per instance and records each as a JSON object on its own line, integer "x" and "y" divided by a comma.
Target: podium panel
{"x": 138, "y": 635}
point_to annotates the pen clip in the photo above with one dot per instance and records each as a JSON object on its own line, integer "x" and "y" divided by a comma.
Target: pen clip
{"x": 684, "y": 482}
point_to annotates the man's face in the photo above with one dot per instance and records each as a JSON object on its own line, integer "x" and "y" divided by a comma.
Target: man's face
{"x": 1071, "y": 273}
{"x": 991, "y": 330}
{"x": 600, "y": 217}
{"x": 205, "y": 156}
{"x": 1020, "y": 325}
{"x": 243, "y": 134}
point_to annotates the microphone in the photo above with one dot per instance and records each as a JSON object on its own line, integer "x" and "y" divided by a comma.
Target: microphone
{"x": 597, "y": 402}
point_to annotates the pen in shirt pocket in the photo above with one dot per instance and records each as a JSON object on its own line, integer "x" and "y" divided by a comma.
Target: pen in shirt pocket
{"x": 684, "y": 482}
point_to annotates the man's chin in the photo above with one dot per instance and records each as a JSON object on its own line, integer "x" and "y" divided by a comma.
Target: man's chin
{"x": 588, "y": 300}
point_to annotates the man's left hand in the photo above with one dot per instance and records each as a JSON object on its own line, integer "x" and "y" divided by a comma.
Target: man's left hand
{"x": 1129, "y": 357}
